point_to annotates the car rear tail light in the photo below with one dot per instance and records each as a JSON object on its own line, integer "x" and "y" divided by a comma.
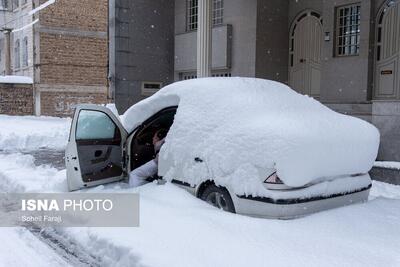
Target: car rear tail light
{"x": 273, "y": 182}
{"x": 273, "y": 179}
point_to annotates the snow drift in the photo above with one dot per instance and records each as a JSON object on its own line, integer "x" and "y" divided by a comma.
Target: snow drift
{"x": 32, "y": 133}
{"x": 243, "y": 127}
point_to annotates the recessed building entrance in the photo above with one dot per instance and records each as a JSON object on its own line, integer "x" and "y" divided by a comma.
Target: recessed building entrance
{"x": 388, "y": 52}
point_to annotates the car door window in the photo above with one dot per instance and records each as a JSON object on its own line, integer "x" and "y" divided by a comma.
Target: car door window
{"x": 94, "y": 125}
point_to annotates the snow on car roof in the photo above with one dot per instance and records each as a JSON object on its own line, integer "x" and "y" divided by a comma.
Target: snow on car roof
{"x": 241, "y": 127}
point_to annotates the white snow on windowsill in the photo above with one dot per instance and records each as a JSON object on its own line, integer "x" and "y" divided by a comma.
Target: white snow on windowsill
{"x": 388, "y": 164}
{"x": 16, "y": 79}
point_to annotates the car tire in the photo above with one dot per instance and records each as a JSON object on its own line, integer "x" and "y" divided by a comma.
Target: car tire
{"x": 219, "y": 197}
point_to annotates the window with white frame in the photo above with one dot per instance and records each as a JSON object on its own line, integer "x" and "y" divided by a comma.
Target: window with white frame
{"x": 15, "y": 4}
{"x": 25, "y": 52}
{"x": 218, "y": 12}
{"x": 348, "y": 30}
{"x": 17, "y": 55}
{"x": 24, "y": 2}
{"x": 192, "y": 13}
{"x": 150, "y": 88}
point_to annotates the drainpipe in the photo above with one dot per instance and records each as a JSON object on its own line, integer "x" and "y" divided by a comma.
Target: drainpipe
{"x": 7, "y": 35}
{"x": 204, "y": 39}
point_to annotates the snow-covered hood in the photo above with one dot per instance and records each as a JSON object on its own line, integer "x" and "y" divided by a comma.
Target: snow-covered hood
{"x": 240, "y": 125}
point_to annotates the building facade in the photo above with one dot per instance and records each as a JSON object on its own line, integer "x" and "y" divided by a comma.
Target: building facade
{"x": 62, "y": 47}
{"x": 141, "y": 48}
{"x": 344, "y": 53}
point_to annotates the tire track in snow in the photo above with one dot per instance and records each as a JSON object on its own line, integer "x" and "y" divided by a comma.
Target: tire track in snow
{"x": 71, "y": 251}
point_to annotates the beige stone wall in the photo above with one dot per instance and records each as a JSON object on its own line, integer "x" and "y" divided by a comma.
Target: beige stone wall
{"x": 16, "y": 99}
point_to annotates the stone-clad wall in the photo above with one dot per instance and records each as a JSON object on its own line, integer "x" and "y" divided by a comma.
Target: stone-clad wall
{"x": 16, "y": 99}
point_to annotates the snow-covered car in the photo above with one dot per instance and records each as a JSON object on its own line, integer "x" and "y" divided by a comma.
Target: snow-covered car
{"x": 245, "y": 145}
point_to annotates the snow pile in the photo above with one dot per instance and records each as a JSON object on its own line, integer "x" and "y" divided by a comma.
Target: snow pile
{"x": 32, "y": 133}
{"x": 18, "y": 173}
{"x": 380, "y": 189}
{"x": 242, "y": 128}
{"x": 16, "y": 79}
{"x": 113, "y": 108}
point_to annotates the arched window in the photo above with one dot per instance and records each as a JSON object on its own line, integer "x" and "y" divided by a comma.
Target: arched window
{"x": 25, "y": 52}
{"x": 4, "y": 4}
{"x": 17, "y": 64}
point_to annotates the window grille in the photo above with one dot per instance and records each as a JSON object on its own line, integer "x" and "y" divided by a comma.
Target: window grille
{"x": 218, "y": 12}
{"x": 192, "y": 13}
{"x": 150, "y": 88}
{"x": 193, "y": 7}
{"x": 190, "y": 75}
{"x": 348, "y": 30}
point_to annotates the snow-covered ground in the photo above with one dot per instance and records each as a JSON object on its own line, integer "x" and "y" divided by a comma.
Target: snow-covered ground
{"x": 19, "y": 247}
{"x": 177, "y": 229}
{"x": 31, "y": 133}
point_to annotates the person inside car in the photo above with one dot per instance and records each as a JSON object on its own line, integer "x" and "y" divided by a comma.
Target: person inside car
{"x": 138, "y": 176}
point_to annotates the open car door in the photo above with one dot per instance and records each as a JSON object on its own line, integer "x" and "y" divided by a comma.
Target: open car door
{"x": 95, "y": 153}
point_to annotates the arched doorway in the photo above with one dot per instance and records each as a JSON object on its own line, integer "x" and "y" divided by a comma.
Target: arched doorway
{"x": 387, "y": 57}
{"x": 305, "y": 52}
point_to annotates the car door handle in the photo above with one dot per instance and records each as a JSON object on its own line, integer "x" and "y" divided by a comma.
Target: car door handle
{"x": 98, "y": 153}
{"x": 198, "y": 159}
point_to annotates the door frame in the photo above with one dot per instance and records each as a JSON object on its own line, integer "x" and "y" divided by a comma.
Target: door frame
{"x": 72, "y": 163}
{"x": 302, "y": 14}
{"x": 375, "y": 95}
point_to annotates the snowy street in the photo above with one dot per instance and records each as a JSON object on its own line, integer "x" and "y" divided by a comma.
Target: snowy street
{"x": 177, "y": 229}
{"x": 199, "y": 133}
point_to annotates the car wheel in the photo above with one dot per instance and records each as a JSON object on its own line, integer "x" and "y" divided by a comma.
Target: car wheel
{"x": 218, "y": 197}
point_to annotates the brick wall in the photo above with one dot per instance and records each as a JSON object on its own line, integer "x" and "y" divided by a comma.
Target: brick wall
{"x": 62, "y": 104}
{"x": 89, "y": 15}
{"x": 73, "y": 60}
{"x": 73, "y": 55}
{"x": 16, "y": 99}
